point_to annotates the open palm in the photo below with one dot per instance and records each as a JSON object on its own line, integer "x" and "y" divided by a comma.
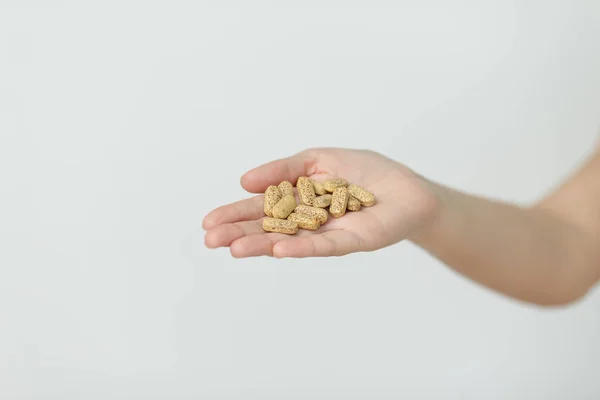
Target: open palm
{"x": 403, "y": 205}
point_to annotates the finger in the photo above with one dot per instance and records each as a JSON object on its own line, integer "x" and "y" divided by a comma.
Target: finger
{"x": 330, "y": 243}
{"x": 243, "y": 210}
{"x": 286, "y": 169}
{"x": 260, "y": 245}
{"x": 255, "y": 245}
{"x": 224, "y": 235}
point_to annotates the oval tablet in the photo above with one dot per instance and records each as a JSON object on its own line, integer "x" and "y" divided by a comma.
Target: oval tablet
{"x": 280, "y": 226}
{"x": 319, "y": 188}
{"x": 322, "y": 201}
{"x": 304, "y": 221}
{"x": 365, "y": 197}
{"x": 306, "y": 191}
{"x": 332, "y": 184}
{"x": 286, "y": 188}
{"x": 353, "y": 204}
{"x": 318, "y": 213}
{"x": 284, "y": 207}
{"x": 272, "y": 196}
{"x": 339, "y": 201}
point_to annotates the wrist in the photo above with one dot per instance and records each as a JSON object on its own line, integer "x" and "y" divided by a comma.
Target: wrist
{"x": 432, "y": 225}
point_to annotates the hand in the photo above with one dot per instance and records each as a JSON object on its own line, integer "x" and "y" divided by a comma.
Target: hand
{"x": 404, "y": 205}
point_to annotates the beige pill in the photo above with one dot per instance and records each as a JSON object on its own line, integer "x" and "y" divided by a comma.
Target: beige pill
{"x": 280, "y": 226}
{"x": 306, "y": 191}
{"x": 304, "y": 221}
{"x": 332, "y": 184}
{"x": 319, "y": 188}
{"x": 339, "y": 201}
{"x": 353, "y": 204}
{"x": 322, "y": 201}
{"x": 365, "y": 197}
{"x": 318, "y": 213}
{"x": 272, "y": 196}
{"x": 286, "y": 188}
{"x": 284, "y": 207}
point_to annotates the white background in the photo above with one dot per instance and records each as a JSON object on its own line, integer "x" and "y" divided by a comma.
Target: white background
{"x": 122, "y": 124}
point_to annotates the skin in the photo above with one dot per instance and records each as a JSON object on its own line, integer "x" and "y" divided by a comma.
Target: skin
{"x": 547, "y": 254}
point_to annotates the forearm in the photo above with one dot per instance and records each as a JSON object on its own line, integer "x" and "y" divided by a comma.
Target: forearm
{"x": 526, "y": 253}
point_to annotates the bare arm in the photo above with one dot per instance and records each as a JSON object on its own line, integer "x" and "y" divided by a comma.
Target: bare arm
{"x": 548, "y": 254}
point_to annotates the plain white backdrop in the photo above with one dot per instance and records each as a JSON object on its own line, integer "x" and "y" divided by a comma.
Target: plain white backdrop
{"x": 123, "y": 123}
